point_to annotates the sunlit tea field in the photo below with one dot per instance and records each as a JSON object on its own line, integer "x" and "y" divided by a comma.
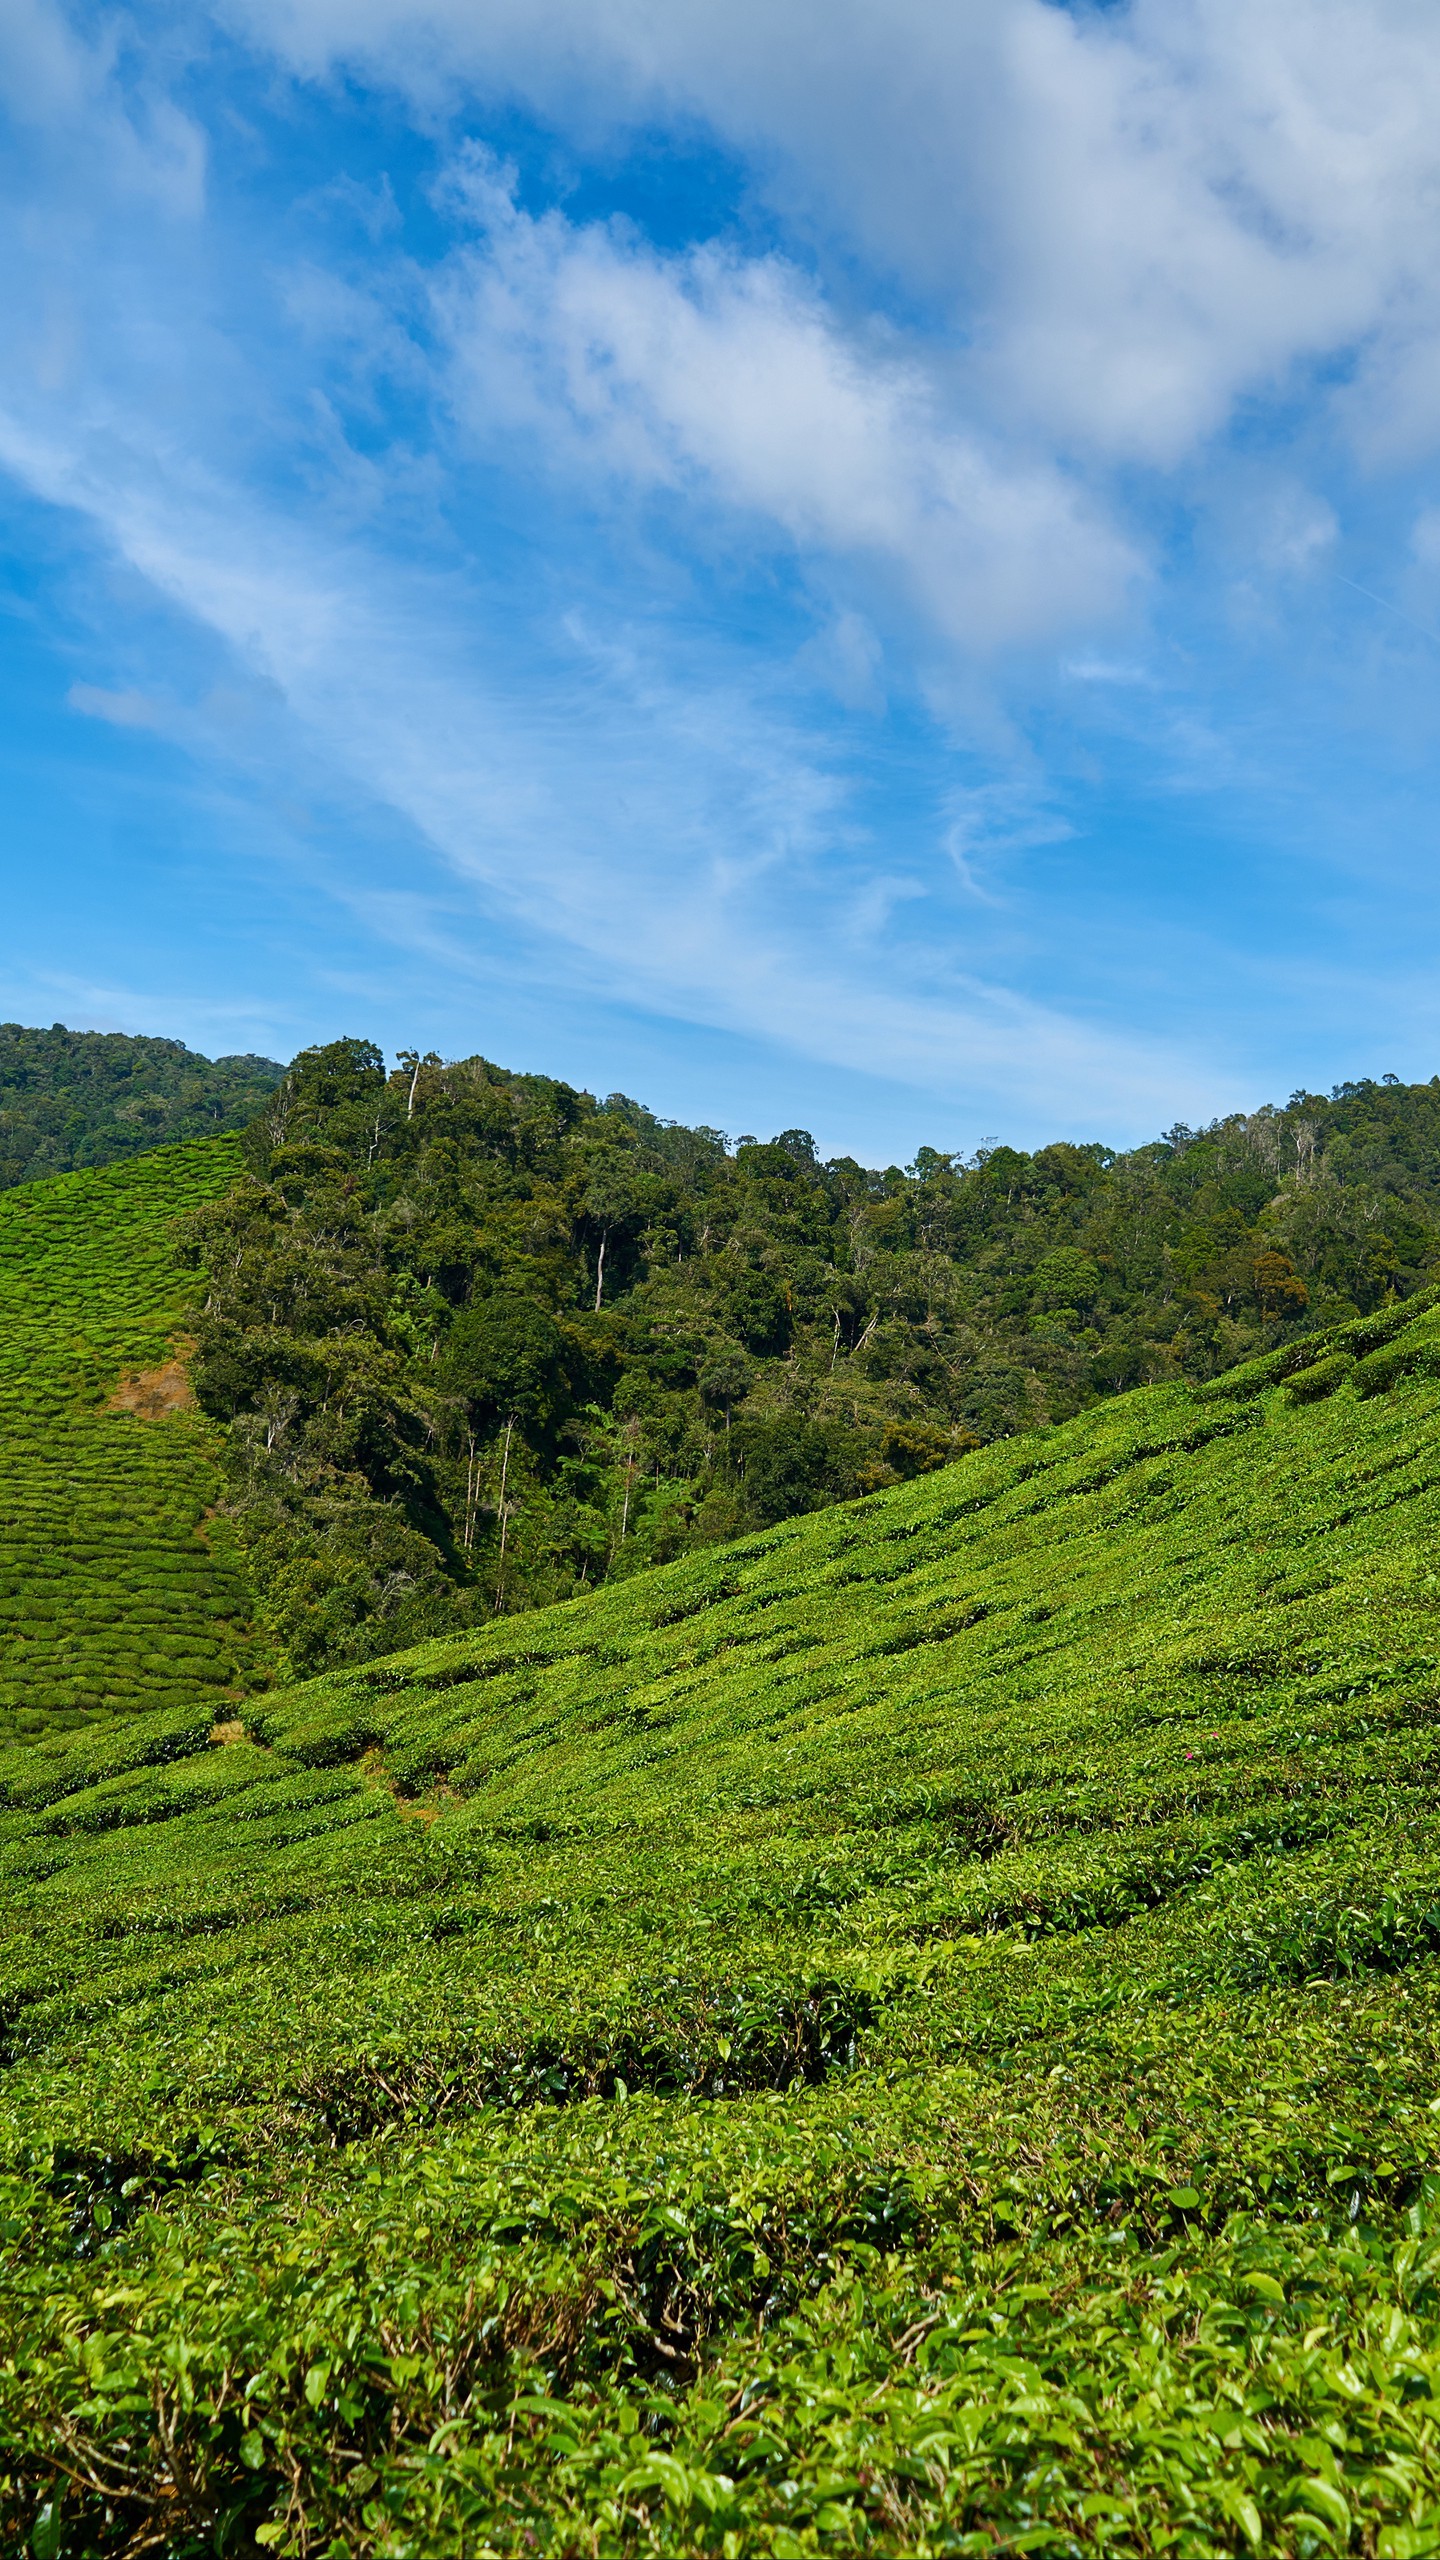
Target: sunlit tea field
{"x": 915, "y": 2033}
{"x": 117, "y": 1592}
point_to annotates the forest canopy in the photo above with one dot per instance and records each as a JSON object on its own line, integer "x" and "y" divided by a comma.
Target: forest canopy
{"x": 481, "y": 1341}
{"x": 73, "y": 1098}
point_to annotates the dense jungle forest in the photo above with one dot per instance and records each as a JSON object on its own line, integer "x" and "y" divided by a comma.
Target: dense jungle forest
{"x": 481, "y": 1341}
{"x": 72, "y": 1098}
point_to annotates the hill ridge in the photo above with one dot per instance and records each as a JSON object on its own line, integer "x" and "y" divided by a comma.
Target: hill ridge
{"x": 87, "y": 1098}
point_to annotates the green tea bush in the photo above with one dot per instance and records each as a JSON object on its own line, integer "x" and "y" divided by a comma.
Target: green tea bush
{"x": 915, "y": 2033}
{"x": 121, "y": 1589}
{"x": 1321, "y": 1378}
{"x": 1415, "y": 1350}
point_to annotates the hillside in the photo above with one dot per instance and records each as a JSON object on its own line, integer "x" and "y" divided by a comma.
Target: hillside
{"x": 118, "y": 1589}
{"x": 72, "y": 1098}
{"x": 480, "y": 1341}
{"x": 917, "y": 2032}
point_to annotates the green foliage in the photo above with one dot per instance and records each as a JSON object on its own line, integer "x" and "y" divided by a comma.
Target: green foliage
{"x": 913, "y": 2033}
{"x": 1415, "y": 1353}
{"x": 480, "y": 1342}
{"x": 505, "y": 1357}
{"x": 71, "y": 1098}
{"x": 1321, "y": 1377}
{"x": 118, "y": 1588}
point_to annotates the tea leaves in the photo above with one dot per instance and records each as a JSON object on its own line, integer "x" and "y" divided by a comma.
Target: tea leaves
{"x": 118, "y": 1588}
{"x": 917, "y": 2032}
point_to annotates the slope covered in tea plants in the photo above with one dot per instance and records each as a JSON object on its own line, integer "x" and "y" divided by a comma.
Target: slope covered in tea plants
{"x": 116, "y": 1590}
{"x": 918, "y": 2032}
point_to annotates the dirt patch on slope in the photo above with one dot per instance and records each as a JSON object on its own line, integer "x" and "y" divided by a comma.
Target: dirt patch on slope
{"x": 152, "y": 1393}
{"x": 372, "y": 1766}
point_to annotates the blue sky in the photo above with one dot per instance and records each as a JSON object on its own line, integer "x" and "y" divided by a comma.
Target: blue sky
{"x": 870, "y": 568}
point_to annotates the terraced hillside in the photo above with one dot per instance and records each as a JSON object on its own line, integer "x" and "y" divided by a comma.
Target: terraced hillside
{"x": 117, "y": 1592}
{"x": 916, "y": 2033}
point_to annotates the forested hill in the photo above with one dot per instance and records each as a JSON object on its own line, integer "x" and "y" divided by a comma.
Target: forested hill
{"x": 75, "y": 1098}
{"x": 482, "y": 1341}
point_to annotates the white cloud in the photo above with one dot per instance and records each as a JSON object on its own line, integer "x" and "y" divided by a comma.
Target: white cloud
{"x": 1091, "y": 668}
{"x": 989, "y": 824}
{"x": 726, "y": 376}
{"x": 1143, "y": 215}
{"x": 98, "y": 103}
{"x": 121, "y": 710}
{"x": 235, "y": 1026}
{"x": 46, "y": 73}
{"x": 845, "y": 658}
{"x": 1201, "y": 198}
{"x": 1300, "y": 533}
{"x": 1025, "y": 250}
{"x": 1425, "y": 538}
{"x": 668, "y": 842}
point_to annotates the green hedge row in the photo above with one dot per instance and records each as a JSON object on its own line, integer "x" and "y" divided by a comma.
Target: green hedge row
{"x": 120, "y": 1590}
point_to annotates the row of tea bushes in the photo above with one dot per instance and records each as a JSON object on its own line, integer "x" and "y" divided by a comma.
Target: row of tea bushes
{"x": 118, "y": 1591}
{"x": 918, "y": 2033}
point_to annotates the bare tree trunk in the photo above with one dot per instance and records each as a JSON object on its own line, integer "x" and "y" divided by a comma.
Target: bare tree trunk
{"x": 504, "y": 1514}
{"x": 472, "y": 1487}
{"x": 600, "y": 1276}
{"x": 414, "y": 1080}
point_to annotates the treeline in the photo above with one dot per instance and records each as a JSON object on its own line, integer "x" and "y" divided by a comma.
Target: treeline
{"x": 481, "y": 1341}
{"x": 72, "y": 1098}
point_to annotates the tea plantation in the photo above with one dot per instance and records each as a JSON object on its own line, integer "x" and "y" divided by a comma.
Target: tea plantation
{"x": 918, "y": 2033}
{"x": 116, "y": 1591}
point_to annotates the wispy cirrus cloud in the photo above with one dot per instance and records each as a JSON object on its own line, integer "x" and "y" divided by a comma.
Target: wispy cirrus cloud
{"x": 732, "y": 614}
{"x": 121, "y": 710}
{"x": 673, "y": 831}
{"x": 673, "y": 842}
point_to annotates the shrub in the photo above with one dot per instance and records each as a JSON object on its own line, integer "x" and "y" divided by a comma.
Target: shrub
{"x": 1307, "y": 1386}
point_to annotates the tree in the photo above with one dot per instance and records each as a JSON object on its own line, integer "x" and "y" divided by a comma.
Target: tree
{"x": 507, "y": 1360}
{"x": 787, "y": 1464}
